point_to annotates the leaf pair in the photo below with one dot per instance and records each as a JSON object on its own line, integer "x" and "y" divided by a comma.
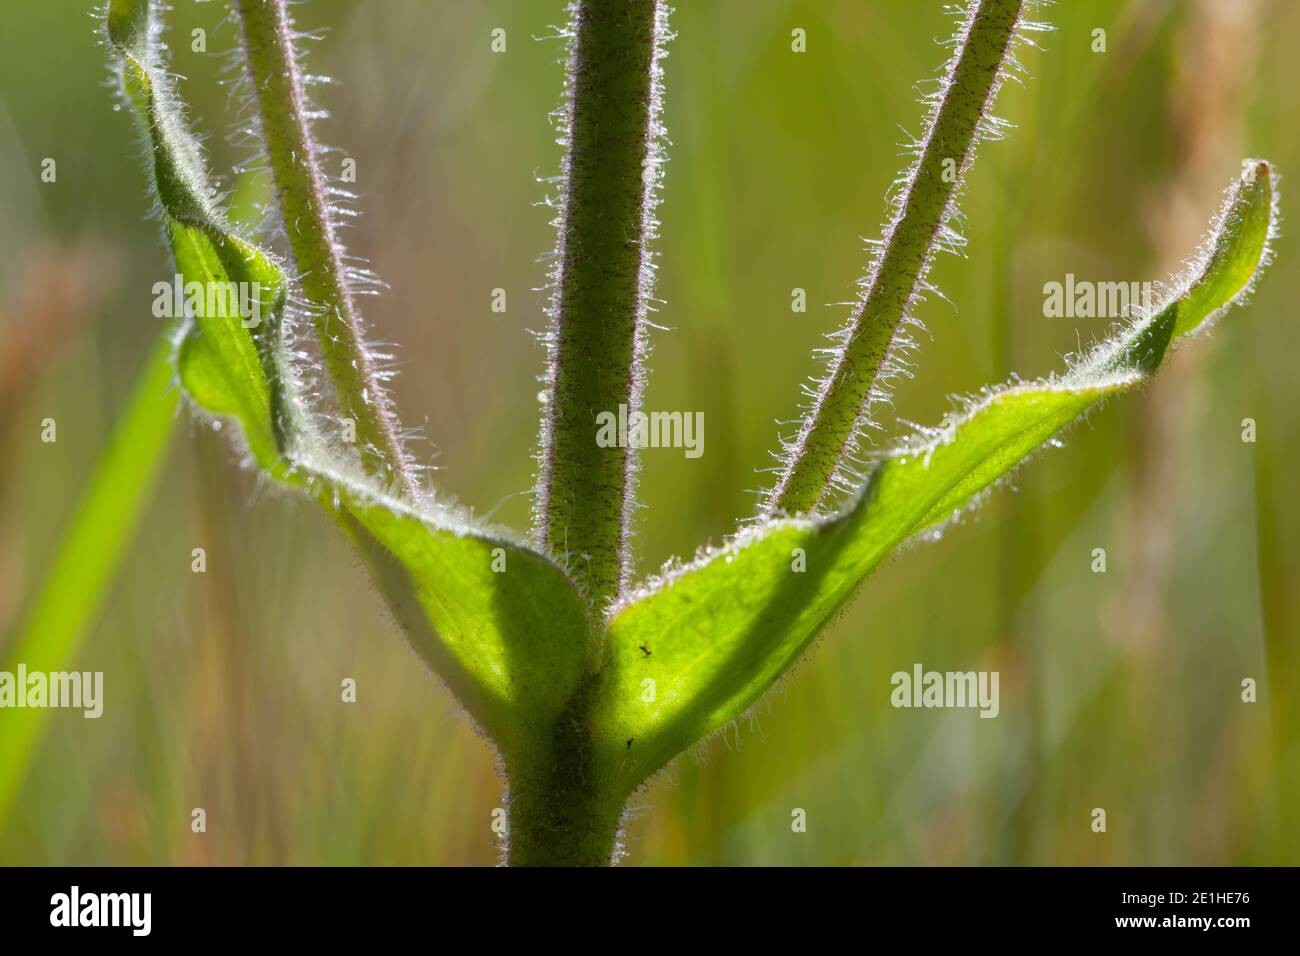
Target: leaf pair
{"x": 503, "y": 625}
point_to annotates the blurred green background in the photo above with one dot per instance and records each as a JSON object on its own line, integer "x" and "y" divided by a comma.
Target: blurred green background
{"x": 1119, "y": 690}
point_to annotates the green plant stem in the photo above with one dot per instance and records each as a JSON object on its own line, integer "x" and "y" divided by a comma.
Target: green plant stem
{"x": 560, "y": 813}
{"x": 853, "y": 382}
{"x": 273, "y": 70}
{"x": 558, "y": 822}
{"x": 596, "y": 337}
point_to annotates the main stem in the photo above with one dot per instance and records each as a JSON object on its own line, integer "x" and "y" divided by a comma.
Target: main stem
{"x": 561, "y": 812}
{"x": 273, "y": 70}
{"x": 852, "y": 383}
{"x": 602, "y": 281}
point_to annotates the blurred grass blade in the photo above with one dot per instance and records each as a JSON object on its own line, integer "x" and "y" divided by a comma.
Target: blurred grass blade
{"x": 51, "y": 635}
{"x": 474, "y": 603}
{"x": 698, "y": 648}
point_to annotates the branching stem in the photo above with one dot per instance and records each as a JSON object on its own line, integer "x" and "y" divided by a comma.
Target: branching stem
{"x": 829, "y": 431}
{"x": 273, "y": 70}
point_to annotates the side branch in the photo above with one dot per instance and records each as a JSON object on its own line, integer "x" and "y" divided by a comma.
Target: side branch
{"x": 866, "y": 354}
{"x": 276, "y": 78}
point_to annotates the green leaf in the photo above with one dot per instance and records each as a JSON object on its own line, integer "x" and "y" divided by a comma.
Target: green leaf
{"x": 54, "y": 629}
{"x": 498, "y": 622}
{"x": 695, "y": 650}
{"x": 219, "y": 362}
{"x": 502, "y": 625}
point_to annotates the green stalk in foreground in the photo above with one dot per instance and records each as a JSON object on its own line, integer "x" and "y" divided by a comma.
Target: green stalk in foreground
{"x": 326, "y": 281}
{"x": 868, "y": 351}
{"x": 51, "y": 635}
{"x": 602, "y": 281}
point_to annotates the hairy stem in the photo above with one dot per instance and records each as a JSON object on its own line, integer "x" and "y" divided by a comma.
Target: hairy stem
{"x": 558, "y": 822}
{"x": 853, "y": 383}
{"x": 561, "y": 811}
{"x": 603, "y": 275}
{"x": 300, "y": 186}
